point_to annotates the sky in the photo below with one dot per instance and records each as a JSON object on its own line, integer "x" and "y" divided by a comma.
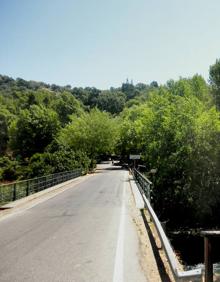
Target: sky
{"x": 101, "y": 43}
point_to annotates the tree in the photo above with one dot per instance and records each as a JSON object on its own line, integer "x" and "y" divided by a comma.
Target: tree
{"x": 187, "y": 87}
{"x": 33, "y": 130}
{"x": 214, "y": 77}
{"x": 154, "y": 84}
{"x": 129, "y": 90}
{"x": 94, "y": 133}
{"x": 65, "y": 105}
{"x": 81, "y": 95}
{"x": 111, "y": 101}
{"x": 93, "y": 94}
{"x": 4, "y": 122}
{"x": 179, "y": 136}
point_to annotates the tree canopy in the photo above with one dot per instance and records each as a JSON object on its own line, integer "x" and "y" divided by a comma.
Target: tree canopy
{"x": 94, "y": 133}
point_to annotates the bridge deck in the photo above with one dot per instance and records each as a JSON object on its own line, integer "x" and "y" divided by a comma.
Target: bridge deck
{"x": 85, "y": 233}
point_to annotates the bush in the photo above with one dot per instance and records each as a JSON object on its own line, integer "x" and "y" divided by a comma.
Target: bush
{"x": 59, "y": 161}
{"x": 10, "y": 169}
{"x": 39, "y": 165}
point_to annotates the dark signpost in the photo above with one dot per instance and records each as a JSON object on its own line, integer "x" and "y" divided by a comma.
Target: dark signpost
{"x": 208, "y": 235}
{"x": 134, "y": 158}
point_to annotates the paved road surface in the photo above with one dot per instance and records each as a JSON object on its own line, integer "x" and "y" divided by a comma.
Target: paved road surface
{"x": 83, "y": 234}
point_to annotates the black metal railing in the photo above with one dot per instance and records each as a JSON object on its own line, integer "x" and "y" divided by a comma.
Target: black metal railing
{"x": 20, "y": 189}
{"x": 145, "y": 184}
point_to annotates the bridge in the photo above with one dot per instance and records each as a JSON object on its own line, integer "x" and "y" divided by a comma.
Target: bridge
{"x": 85, "y": 228}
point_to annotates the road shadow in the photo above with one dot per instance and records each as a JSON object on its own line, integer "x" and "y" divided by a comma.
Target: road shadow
{"x": 110, "y": 168}
{"x": 160, "y": 265}
{"x": 115, "y": 168}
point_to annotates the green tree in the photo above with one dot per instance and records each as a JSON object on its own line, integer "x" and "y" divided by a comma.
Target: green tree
{"x": 129, "y": 90}
{"x": 179, "y": 136}
{"x": 65, "y": 105}
{"x": 111, "y": 101}
{"x": 94, "y": 133}
{"x": 5, "y": 117}
{"x": 33, "y": 130}
{"x": 214, "y": 77}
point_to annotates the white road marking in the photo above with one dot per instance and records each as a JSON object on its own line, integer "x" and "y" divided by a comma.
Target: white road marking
{"x": 119, "y": 258}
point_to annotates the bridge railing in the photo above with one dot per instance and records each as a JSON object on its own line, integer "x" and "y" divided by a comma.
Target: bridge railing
{"x": 145, "y": 184}
{"x": 180, "y": 276}
{"x": 20, "y": 189}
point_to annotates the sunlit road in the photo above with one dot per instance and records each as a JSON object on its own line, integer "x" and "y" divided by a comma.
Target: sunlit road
{"x": 82, "y": 234}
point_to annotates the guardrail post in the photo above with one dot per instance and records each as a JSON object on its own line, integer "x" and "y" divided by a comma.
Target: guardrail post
{"x": 208, "y": 260}
{"x": 208, "y": 235}
{"x": 14, "y": 192}
{"x": 27, "y": 188}
{"x": 44, "y": 186}
{"x": 1, "y": 195}
{"x": 38, "y": 185}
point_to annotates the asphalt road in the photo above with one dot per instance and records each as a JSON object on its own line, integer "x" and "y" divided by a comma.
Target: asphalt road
{"x": 85, "y": 233}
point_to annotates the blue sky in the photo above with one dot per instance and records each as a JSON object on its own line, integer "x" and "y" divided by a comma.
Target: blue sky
{"x": 101, "y": 43}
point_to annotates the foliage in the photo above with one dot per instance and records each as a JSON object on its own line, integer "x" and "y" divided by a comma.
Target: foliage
{"x": 112, "y": 102}
{"x": 65, "y": 106}
{"x": 67, "y": 159}
{"x": 177, "y": 134}
{"x": 214, "y": 76}
{"x": 49, "y": 163}
{"x": 4, "y": 121}
{"x": 94, "y": 133}
{"x": 9, "y": 169}
{"x": 33, "y": 130}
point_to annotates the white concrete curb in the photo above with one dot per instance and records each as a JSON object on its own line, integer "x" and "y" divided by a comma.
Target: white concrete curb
{"x": 137, "y": 195}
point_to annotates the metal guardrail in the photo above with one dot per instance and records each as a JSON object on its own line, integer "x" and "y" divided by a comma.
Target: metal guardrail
{"x": 20, "y": 189}
{"x": 180, "y": 276}
{"x": 145, "y": 184}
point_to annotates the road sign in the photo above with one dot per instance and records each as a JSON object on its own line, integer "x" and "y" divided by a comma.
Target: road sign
{"x": 135, "y": 157}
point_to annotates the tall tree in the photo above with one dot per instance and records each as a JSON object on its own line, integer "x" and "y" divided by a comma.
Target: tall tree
{"x": 33, "y": 130}
{"x": 4, "y": 122}
{"x": 111, "y": 101}
{"x": 94, "y": 133}
{"x": 214, "y": 77}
